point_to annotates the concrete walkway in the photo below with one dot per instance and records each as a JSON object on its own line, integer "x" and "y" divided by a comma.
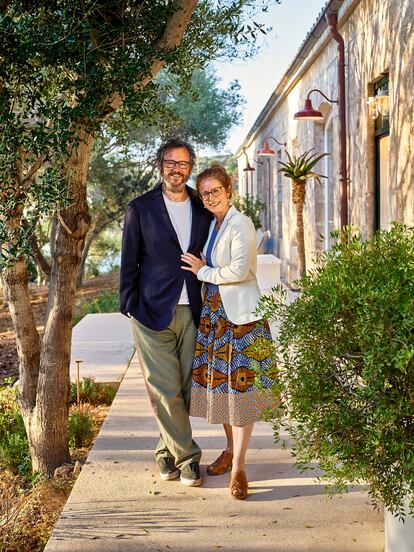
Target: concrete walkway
{"x": 104, "y": 343}
{"x": 119, "y": 503}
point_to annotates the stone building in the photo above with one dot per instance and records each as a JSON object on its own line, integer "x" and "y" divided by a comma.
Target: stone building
{"x": 379, "y": 57}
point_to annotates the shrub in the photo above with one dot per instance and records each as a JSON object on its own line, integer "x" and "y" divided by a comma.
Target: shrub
{"x": 250, "y": 207}
{"x": 346, "y": 349}
{"x": 14, "y": 447}
{"x": 92, "y": 392}
{"x": 107, "y": 301}
{"x": 81, "y": 426}
{"x": 14, "y": 453}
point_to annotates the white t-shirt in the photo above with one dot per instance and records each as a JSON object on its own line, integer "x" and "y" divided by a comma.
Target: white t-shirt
{"x": 180, "y": 214}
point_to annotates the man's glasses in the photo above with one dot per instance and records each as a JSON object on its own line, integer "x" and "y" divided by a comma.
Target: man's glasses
{"x": 170, "y": 164}
{"x": 215, "y": 192}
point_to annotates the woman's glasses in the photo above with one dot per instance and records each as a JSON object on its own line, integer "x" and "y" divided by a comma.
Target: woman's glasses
{"x": 215, "y": 192}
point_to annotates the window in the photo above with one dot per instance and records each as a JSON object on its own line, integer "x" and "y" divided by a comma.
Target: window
{"x": 382, "y": 146}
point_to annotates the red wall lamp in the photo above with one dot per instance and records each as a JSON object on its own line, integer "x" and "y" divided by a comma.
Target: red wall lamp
{"x": 308, "y": 113}
{"x": 265, "y": 149}
{"x": 249, "y": 169}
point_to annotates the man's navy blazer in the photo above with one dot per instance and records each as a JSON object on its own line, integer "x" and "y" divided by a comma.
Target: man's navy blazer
{"x": 151, "y": 278}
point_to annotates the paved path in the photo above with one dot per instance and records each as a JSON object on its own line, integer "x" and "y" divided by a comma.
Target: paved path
{"x": 119, "y": 503}
{"x": 104, "y": 343}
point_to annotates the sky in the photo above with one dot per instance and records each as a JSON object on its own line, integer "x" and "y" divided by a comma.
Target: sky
{"x": 290, "y": 21}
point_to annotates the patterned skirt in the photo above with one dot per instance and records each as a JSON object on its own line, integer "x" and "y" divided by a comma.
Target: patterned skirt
{"x": 229, "y": 384}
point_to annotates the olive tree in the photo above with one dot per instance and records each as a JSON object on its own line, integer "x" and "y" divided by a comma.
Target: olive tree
{"x": 65, "y": 67}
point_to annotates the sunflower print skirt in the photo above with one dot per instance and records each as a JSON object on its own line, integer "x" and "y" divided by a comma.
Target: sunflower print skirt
{"x": 228, "y": 360}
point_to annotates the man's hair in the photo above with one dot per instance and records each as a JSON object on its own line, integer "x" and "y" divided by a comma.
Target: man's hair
{"x": 173, "y": 143}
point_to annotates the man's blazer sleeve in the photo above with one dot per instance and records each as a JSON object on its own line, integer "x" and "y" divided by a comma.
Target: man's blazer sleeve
{"x": 130, "y": 261}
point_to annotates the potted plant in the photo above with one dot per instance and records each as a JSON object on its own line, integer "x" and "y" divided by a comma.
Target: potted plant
{"x": 300, "y": 170}
{"x": 346, "y": 368}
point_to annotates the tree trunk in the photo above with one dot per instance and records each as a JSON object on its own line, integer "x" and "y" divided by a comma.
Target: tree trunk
{"x": 44, "y": 383}
{"x": 48, "y": 427}
{"x": 16, "y": 288}
{"x": 52, "y": 240}
{"x": 298, "y": 196}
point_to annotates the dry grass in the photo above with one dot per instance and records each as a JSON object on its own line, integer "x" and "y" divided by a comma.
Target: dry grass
{"x": 28, "y": 513}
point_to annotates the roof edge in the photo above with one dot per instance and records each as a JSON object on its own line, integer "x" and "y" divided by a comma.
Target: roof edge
{"x": 309, "y": 42}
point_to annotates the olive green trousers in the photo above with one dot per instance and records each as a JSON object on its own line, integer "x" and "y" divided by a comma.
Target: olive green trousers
{"x": 166, "y": 359}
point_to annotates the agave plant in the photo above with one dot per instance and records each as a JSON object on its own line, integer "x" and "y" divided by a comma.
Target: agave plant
{"x": 300, "y": 169}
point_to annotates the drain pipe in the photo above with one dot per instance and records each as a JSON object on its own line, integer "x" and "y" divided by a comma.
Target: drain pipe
{"x": 332, "y": 19}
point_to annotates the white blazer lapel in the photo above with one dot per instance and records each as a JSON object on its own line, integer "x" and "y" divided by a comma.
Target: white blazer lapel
{"x": 223, "y": 227}
{"x": 228, "y": 216}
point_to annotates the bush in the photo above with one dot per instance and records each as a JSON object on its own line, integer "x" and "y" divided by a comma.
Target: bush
{"x": 81, "y": 426}
{"x": 346, "y": 347}
{"x": 107, "y": 301}
{"x": 14, "y": 447}
{"x": 250, "y": 207}
{"x": 14, "y": 453}
{"x": 92, "y": 392}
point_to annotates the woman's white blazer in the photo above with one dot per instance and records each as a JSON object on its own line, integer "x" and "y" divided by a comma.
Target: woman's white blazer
{"x": 234, "y": 257}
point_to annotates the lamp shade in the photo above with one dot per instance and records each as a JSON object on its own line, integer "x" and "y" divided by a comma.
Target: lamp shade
{"x": 248, "y": 168}
{"x": 266, "y": 150}
{"x": 308, "y": 113}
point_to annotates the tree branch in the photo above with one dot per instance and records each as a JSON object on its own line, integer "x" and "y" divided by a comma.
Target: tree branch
{"x": 33, "y": 170}
{"x": 174, "y": 31}
{"x": 40, "y": 258}
{"x": 92, "y": 34}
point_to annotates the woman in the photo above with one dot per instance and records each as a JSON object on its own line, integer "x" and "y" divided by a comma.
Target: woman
{"x": 229, "y": 352}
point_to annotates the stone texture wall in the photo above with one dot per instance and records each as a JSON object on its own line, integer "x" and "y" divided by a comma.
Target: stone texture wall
{"x": 379, "y": 39}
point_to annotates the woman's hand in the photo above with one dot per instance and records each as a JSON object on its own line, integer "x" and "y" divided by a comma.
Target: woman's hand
{"x": 194, "y": 262}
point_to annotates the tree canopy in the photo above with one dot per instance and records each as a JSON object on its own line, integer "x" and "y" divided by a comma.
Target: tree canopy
{"x": 67, "y": 64}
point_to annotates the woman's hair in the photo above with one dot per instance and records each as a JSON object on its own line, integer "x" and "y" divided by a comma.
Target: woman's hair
{"x": 219, "y": 173}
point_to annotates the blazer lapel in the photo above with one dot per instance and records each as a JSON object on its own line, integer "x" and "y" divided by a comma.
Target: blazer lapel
{"x": 228, "y": 216}
{"x": 161, "y": 212}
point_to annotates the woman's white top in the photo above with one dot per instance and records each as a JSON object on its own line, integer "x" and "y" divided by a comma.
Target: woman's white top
{"x": 234, "y": 258}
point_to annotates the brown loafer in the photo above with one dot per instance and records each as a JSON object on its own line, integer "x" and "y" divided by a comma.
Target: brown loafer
{"x": 239, "y": 485}
{"x": 221, "y": 464}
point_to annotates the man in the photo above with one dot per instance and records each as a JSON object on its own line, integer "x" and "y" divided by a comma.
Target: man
{"x": 164, "y": 302}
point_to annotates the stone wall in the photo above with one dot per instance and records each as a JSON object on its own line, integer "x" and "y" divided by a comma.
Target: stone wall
{"x": 379, "y": 39}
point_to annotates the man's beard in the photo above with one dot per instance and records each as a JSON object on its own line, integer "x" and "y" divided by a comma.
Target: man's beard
{"x": 175, "y": 187}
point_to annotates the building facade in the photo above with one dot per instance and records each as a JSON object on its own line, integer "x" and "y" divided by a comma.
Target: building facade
{"x": 379, "y": 85}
